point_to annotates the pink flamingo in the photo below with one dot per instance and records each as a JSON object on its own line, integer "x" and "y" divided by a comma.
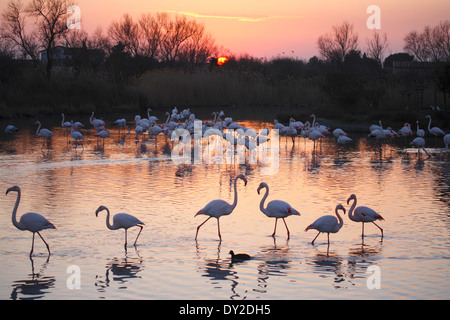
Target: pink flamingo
{"x": 44, "y": 133}
{"x": 122, "y": 221}
{"x": 363, "y": 214}
{"x": 328, "y": 224}
{"x": 276, "y": 209}
{"x": 218, "y": 208}
{"x": 33, "y": 222}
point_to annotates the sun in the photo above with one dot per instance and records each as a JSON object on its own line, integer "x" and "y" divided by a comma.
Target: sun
{"x": 221, "y": 61}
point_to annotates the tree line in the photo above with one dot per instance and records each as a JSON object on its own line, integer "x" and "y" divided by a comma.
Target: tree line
{"x": 344, "y": 71}
{"x": 157, "y": 38}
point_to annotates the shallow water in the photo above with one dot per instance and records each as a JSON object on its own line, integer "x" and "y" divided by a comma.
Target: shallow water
{"x": 67, "y": 184}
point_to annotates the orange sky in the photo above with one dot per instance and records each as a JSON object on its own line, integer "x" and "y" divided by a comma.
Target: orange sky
{"x": 267, "y": 28}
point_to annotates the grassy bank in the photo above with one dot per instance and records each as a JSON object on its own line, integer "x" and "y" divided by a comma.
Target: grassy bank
{"x": 242, "y": 95}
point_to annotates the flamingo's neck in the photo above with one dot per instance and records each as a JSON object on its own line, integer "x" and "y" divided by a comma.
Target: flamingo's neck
{"x": 235, "y": 193}
{"x": 108, "y": 224}
{"x": 350, "y": 212}
{"x": 38, "y": 128}
{"x": 261, "y": 204}
{"x": 341, "y": 221}
{"x": 13, "y": 217}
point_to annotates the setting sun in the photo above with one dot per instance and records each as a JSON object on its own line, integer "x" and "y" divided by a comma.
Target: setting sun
{"x": 221, "y": 60}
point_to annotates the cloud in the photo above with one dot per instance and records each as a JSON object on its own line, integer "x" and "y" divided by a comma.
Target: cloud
{"x": 238, "y": 18}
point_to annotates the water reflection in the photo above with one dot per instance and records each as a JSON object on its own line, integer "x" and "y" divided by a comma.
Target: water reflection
{"x": 68, "y": 183}
{"x": 275, "y": 261}
{"x": 121, "y": 271}
{"x": 35, "y": 286}
{"x": 220, "y": 272}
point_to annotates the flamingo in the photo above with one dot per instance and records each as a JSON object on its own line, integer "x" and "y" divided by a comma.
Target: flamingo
{"x": 103, "y": 134}
{"x": 277, "y": 125}
{"x": 446, "y": 142}
{"x": 339, "y": 132}
{"x": 218, "y": 208}
{"x": 363, "y": 214}
{"x": 77, "y": 125}
{"x": 144, "y": 123}
{"x": 44, "y": 133}
{"x": 419, "y": 132}
{"x": 328, "y": 224}
{"x": 172, "y": 125}
{"x": 406, "y": 130}
{"x": 151, "y": 119}
{"x": 10, "y": 130}
{"x": 344, "y": 139}
{"x": 97, "y": 123}
{"x": 276, "y": 209}
{"x": 121, "y": 123}
{"x": 154, "y": 130}
{"x": 76, "y": 135}
{"x": 321, "y": 128}
{"x": 376, "y": 131}
{"x": 65, "y": 124}
{"x": 419, "y": 142}
{"x": 139, "y": 131}
{"x": 122, "y": 221}
{"x": 315, "y": 135}
{"x": 33, "y": 222}
{"x": 435, "y": 131}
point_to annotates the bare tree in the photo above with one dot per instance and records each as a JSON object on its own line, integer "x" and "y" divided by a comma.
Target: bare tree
{"x": 151, "y": 34}
{"x": 433, "y": 44}
{"x": 334, "y": 46}
{"x": 76, "y": 38}
{"x": 99, "y": 41}
{"x": 51, "y": 23}
{"x": 174, "y": 34}
{"x": 13, "y": 32}
{"x": 376, "y": 46}
{"x": 199, "y": 47}
{"x": 126, "y": 31}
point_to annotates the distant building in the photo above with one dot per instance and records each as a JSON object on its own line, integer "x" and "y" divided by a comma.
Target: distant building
{"x": 69, "y": 58}
{"x": 415, "y": 67}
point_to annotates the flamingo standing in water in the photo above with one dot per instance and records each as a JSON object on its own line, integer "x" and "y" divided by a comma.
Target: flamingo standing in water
{"x": 122, "y": 221}
{"x": 102, "y": 134}
{"x": 98, "y": 124}
{"x": 435, "y": 131}
{"x": 44, "y": 133}
{"x": 363, "y": 214}
{"x": 328, "y": 224}
{"x": 276, "y": 209}
{"x": 446, "y": 142}
{"x": 419, "y": 132}
{"x": 33, "y": 222}
{"x": 10, "y": 130}
{"x": 419, "y": 142}
{"x": 66, "y": 124}
{"x": 218, "y": 208}
{"x": 76, "y": 135}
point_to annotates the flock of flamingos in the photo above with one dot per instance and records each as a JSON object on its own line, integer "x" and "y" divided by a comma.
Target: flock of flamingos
{"x": 277, "y": 209}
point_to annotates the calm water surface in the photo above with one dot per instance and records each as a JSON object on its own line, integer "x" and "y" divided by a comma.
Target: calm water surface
{"x": 67, "y": 185}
